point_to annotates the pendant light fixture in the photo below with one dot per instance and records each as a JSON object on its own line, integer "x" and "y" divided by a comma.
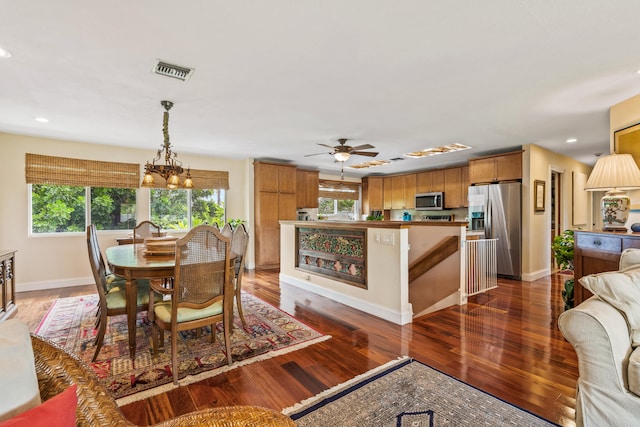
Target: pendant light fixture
{"x": 172, "y": 169}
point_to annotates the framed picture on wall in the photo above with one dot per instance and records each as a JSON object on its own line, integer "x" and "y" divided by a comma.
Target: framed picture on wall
{"x": 627, "y": 141}
{"x": 538, "y": 195}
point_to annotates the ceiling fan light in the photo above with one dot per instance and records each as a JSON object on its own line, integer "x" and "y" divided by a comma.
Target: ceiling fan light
{"x": 342, "y": 157}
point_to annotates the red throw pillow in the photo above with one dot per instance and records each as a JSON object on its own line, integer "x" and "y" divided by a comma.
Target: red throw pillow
{"x": 59, "y": 411}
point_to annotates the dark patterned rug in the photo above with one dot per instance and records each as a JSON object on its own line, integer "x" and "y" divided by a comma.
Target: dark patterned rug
{"x": 408, "y": 393}
{"x": 269, "y": 332}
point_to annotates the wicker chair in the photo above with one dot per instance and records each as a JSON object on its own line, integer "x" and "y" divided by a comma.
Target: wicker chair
{"x": 239, "y": 244}
{"x": 145, "y": 229}
{"x": 202, "y": 292}
{"x": 57, "y": 370}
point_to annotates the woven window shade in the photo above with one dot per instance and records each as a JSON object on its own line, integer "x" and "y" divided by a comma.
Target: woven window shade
{"x": 339, "y": 190}
{"x": 210, "y": 180}
{"x": 202, "y": 180}
{"x": 40, "y": 169}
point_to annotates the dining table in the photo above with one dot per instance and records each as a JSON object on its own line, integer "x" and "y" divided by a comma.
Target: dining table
{"x": 132, "y": 262}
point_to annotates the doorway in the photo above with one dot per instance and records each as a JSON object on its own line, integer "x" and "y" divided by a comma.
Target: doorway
{"x": 556, "y": 209}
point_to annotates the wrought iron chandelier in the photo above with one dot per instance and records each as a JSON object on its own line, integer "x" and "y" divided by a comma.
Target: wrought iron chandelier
{"x": 172, "y": 169}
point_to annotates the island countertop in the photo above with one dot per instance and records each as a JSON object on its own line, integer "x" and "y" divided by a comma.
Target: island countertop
{"x": 375, "y": 224}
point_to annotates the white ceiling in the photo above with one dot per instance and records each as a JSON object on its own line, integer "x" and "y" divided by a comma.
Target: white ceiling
{"x": 274, "y": 78}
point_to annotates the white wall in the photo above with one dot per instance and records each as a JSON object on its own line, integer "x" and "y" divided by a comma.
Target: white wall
{"x": 48, "y": 261}
{"x": 622, "y": 115}
{"x": 538, "y": 163}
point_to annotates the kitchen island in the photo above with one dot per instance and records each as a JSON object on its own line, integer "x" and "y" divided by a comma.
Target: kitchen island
{"x": 395, "y": 270}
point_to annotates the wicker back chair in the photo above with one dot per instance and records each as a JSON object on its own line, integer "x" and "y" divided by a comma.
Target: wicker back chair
{"x": 227, "y": 230}
{"x": 239, "y": 244}
{"x": 202, "y": 290}
{"x": 57, "y": 370}
{"x": 112, "y": 296}
{"x": 145, "y": 229}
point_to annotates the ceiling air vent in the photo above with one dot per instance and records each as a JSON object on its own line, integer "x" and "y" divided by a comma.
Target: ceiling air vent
{"x": 175, "y": 71}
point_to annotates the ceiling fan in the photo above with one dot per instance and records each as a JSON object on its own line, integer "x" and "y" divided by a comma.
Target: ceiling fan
{"x": 343, "y": 152}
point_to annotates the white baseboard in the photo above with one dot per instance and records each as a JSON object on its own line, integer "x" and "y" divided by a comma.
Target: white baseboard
{"x": 373, "y": 309}
{"x": 44, "y": 285}
{"x": 530, "y": 277}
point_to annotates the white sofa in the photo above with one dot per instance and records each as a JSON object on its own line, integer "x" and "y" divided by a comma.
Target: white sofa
{"x": 605, "y": 333}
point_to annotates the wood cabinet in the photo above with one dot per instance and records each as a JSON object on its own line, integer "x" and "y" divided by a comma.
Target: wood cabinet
{"x": 307, "y": 188}
{"x": 596, "y": 252}
{"x": 437, "y": 180}
{"x": 465, "y": 186}
{"x": 372, "y": 194}
{"x": 387, "y": 192}
{"x": 403, "y": 191}
{"x": 453, "y": 197}
{"x": 8, "y": 306}
{"x": 275, "y": 199}
{"x": 504, "y": 167}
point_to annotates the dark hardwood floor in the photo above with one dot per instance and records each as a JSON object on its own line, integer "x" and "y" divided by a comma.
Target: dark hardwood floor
{"x": 505, "y": 342}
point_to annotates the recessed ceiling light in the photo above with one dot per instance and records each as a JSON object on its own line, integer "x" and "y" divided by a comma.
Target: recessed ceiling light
{"x": 4, "y": 53}
{"x": 572, "y": 140}
{"x": 41, "y": 120}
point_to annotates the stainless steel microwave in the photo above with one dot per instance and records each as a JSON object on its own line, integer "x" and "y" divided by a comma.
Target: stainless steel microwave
{"x": 430, "y": 201}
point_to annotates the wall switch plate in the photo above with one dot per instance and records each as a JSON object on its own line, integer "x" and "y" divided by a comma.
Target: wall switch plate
{"x": 387, "y": 239}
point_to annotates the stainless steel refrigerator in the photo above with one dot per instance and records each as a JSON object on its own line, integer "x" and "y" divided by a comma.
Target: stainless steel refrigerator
{"x": 496, "y": 210}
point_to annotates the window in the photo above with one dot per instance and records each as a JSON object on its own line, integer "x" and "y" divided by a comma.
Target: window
{"x": 63, "y": 208}
{"x": 57, "y": 208}
{"x": 68, "y": 194}
{"x": 338, "y": 209}
{"x": 338, "y": 200}
{"x": 184, "y": 209}
{"x": 113, "y": 208}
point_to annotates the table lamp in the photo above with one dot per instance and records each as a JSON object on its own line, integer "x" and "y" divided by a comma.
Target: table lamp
{"x": 613, "y": 174}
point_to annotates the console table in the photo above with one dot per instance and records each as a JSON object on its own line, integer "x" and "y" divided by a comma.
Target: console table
{"x": 8, "y": 306}
{"x": 596, "y": 252}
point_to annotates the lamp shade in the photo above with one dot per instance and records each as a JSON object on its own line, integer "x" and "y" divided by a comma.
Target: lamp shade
{"x": 615, "y": 171}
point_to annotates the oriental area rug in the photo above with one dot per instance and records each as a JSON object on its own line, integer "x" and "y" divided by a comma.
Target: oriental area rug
{"x": 269, "y": 332}
{"x": 406, "y": 392}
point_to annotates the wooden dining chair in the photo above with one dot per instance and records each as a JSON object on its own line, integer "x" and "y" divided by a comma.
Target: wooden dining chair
{"x": 239, "y": 244}
{"x": 202, "y": 293}
{"x": 144, "y": 230}
{"x": 112, "y": 293}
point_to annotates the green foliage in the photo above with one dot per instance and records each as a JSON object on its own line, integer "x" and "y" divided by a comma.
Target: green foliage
{"x": 170, "y": 211}
{"x": 567, "y": 294}
{"x": 113, "y": 208}
{"x": 234, "y": 222}
{"x": 57, "y": 208}
{"x": 378, "y": 217}
{"x": 562, "y": 247}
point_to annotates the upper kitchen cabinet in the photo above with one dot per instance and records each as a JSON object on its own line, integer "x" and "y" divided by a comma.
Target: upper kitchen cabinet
{"x": 428, "y": 181}
{"x": 453, "y": 197}
{"x": 372, "y": 194}
{"x": 307, "y": 188}
{"x": 503, "y": 167}
{"x": 403, "y": 191}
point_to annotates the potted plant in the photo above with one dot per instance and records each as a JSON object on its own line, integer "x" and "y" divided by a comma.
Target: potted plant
{"x": 562, "y": 247}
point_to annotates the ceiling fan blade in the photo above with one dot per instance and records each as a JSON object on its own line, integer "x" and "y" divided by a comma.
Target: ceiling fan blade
{"x": 364, "y": 153}
{"x": 325, "y": 145}
{"x": 362, "y": 147}
{"x": 316, "y": 154}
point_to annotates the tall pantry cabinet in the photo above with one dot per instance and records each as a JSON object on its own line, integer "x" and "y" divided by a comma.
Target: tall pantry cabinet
{"x": 275, "y": 200}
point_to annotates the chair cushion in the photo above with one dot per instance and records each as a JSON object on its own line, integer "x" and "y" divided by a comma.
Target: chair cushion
{"x": 633, "y": 372}
{"x": 621, "y": 289}
{"x": 18, "y": 381}
{"x": 59, "y": 411}
{"x": 163, "y": 312}
{"x": 629, "y": 257}
{"x": 117, "y": 297}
